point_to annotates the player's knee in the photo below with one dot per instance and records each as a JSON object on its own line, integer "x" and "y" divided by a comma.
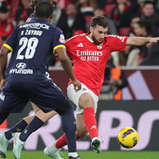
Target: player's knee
{"x": 86, "y": 100}
{"x": 65, "y": 109}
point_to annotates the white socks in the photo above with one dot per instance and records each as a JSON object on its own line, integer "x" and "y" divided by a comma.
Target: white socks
{"x": 73, "y": 154}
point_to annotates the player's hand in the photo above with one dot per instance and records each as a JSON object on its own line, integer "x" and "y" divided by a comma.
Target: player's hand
{"x": 154, "y": 40}
{"x": 3, "y": 82}
{"x": 77, "y": 85}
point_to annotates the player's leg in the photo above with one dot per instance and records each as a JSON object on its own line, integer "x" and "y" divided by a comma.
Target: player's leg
{"x": 81, "y": 132}
{"x": 3, "y": 117}
{"x": 52, "y": 99}
{"x": 22, "y": 124}
{"x": 87, "y": 104}
{"x": 11, "y": 103}
{"x": 38, "y": 120}
{"x": 3, "y": 140}
{"x": 69, "y": 128}
{"x": 85, "y": 121}
{"x": 81, "y": 127}
{"x": 19, "y": 138}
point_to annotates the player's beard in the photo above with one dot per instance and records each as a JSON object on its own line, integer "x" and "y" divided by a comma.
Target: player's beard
{"x": 96, "y": 41}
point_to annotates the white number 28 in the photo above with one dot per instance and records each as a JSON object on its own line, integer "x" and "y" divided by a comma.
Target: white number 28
{"x": 31, "y": 45}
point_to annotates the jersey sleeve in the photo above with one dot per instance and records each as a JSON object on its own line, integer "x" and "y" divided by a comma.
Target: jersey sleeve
{"x": 70, "y": 48}
{"x": 118, "y": 43}
{"x": 10, "y": 42}
{"x": 58, "y": 41}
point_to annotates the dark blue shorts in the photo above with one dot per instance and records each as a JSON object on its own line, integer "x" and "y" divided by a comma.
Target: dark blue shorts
{"x": 15, "y": 96}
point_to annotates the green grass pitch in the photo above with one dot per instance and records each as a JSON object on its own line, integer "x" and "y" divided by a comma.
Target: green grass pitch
{"x": 92, "y": 155}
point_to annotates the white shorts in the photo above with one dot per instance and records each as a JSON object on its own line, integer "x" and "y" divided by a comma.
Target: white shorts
{"x": 74, "y": 97}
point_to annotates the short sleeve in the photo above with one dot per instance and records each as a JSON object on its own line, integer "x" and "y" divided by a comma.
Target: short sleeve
{"x": 118, "y": 43}
{"x": 58, "y": 40}
{"x": 69, "y": 48}
{"x": 10, "y": 42}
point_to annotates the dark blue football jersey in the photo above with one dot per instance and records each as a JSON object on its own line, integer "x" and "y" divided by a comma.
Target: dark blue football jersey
{"x": 31, "y": 44}
{"x": 31, "y": 18}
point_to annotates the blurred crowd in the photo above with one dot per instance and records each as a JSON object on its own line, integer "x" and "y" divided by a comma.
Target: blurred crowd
{"x": 126, "y": 18}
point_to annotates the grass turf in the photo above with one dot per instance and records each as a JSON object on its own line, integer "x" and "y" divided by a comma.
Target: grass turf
{"x": 92, "y": 155}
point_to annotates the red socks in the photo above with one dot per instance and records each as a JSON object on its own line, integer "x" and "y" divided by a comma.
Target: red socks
{"x": 62, "y": 141}
{"x": 90, "y": 122}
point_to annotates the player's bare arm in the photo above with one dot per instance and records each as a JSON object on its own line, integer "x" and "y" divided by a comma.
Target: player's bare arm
{"x": 138, "y": 41}
{"x": 67, "y": 66}
{"x": 3, "y": 64}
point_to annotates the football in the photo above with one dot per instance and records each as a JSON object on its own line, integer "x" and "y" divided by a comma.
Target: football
{"x": 128, "y": 137}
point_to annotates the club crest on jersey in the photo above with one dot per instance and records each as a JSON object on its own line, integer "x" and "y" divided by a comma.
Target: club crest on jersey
{"x": 62, "y": 38}
{"x": 2, "y": 96}
{"x": 99, "y": 46}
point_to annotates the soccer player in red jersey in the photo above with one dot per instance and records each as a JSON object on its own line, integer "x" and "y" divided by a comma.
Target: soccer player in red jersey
{"x": 89, "y": 53}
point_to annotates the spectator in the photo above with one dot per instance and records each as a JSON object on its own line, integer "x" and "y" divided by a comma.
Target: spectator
{"x": 58, "y": 13}
{"x": 153, "y": 59}
{"x": 144, "y": 29}
{"x": 141, "y": 5}
{"x": 114, "y": 81}
{"x": 72, "y": 22}
{"x": 150, "y": 15}
{"x": 134, "y": 19}
{"x": 20, "y": 21}
{"x": 63, "y": 3}
{"x": 99, "y": 10}
{"x": 24, "y": 11}
{"x": 121, "y": 14}
{"x": 6, "y": 25}
{"x": 134, "y": 55}
{"x": 130, "y": 56}
{"x": 86, "y": 6}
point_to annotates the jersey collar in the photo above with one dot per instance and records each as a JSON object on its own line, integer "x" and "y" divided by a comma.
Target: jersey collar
{"x": 89, "y": 37}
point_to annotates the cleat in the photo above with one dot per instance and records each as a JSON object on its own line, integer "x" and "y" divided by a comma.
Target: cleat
{"x": 17, "y": 146}
{"x": 3, "y": 145}
{"x": 70, "y": 157}
{"x": 52, "y": 154}
{"x": 96, "y": 145}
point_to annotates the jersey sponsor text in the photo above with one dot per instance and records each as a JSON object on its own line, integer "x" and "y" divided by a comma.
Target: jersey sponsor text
{"x": 35, "y": 26}
{"x": 21, "y": 71}
{"x": 87, "y": 52}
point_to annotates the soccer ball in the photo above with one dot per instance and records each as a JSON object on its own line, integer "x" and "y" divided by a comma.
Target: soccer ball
{"x": 128, "y": 137}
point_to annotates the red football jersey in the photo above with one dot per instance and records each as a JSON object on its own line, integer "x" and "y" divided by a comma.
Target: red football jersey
{"x": 90, "y": 59}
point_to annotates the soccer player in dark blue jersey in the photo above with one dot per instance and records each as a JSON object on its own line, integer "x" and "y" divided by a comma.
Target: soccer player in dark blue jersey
{"x": 25, "y": 78}
{"x": 22, "y": 124}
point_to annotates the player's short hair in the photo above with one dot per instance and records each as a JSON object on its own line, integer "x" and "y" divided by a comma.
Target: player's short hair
{"x": 44, "y": 9}
{"x": 33, "y": 3}
{"x": 99, "y": 20}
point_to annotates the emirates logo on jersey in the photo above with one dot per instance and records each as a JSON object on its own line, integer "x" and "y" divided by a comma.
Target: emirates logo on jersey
{"x": 89, "y": 55}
